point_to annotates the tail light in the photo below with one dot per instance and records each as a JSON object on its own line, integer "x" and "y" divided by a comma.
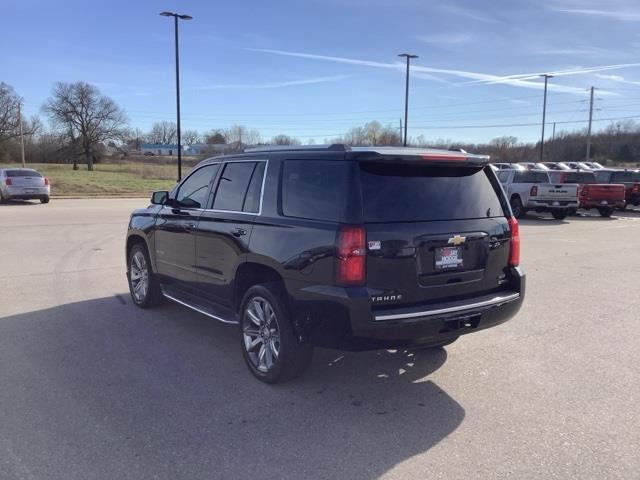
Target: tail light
{"x": 514, "y": 243}
{"x": 46, "y": 182}
{"x": 350, "y": 255}
{"x": 636, "y": 188}
{"x": 534, "y": 191}
{"x": 8, "y": 182}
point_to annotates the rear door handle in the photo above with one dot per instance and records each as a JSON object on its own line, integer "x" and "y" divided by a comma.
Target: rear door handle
{"x": 238, "y": 232}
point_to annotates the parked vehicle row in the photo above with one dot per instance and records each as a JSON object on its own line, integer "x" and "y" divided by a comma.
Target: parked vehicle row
{"x": 354, "y": 248}
{"x": 597, "y": 187}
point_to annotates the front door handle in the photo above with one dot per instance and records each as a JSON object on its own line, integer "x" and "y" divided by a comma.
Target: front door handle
{"x": 238, "y": 232}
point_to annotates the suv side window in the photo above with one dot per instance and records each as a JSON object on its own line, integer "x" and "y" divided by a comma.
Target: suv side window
{"x": 233, "y": 186}
{"x": 192, "y": 193}
{"x": 315, "y": 189}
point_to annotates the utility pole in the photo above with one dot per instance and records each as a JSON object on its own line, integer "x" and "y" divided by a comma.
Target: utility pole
{"x": 589, "y": 130}
{"x": 21, "y": 133}
{"x": 177, "y": 16}
{"x": 544, "y": 114}
{"x": 553, "y": 142}
{"x": 408, "y": 56}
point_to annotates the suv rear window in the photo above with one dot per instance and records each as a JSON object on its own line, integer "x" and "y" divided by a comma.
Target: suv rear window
{"x": 582, "y": 177}
{"x": 406, "y": 193}
{"x": 315, "y": 189}
{"x": 22, "y": 173}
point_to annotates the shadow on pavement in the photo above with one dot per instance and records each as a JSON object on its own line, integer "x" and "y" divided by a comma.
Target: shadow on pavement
{"x": 101, "y": 389}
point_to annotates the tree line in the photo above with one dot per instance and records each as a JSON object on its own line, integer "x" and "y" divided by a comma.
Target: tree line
{"x": 84, "y": 124}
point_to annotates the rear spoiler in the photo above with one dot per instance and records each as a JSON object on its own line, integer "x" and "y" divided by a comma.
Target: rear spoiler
{"x": 419, "y": 155}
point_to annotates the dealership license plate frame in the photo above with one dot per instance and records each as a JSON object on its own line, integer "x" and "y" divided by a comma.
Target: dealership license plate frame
{"x": 448, "y": 258}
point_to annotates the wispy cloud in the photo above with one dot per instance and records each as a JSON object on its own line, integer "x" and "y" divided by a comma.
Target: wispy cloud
{"x": 618, "y": 79}
{"x": 577, "y": 51}
{"x": 626, "y": 16}
{"x": 468, "y": 13}
{"x": 521, "y": 80}
{"x": 446, "y": 38}
{"x": 286, "y": 83}
{"x": 558, "y": 73}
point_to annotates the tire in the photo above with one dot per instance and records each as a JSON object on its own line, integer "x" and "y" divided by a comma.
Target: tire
{"x": 269, "y": 344}
{"x": 138, "y": 271}
{"x": 44, "y": 200}
{"x": 572, "y": 211}
{"x": 605, "y": 211}
{"x": 517, "y": 207}
{"x": 559, "y": 214}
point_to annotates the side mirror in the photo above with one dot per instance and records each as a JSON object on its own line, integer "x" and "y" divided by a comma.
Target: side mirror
{"x": 160, "y": 198}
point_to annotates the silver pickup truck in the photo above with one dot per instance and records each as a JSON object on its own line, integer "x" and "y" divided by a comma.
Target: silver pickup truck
{"x": 533, "y": 190}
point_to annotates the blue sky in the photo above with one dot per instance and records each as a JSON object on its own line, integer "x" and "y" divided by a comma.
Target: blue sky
{"x": 314, "y": 68}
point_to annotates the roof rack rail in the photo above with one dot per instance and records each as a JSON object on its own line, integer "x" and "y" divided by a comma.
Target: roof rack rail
{"x": 339, "y": 147}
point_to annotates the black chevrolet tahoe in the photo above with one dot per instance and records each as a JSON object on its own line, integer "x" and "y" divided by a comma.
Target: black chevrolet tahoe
{"x": 354, "y": 248}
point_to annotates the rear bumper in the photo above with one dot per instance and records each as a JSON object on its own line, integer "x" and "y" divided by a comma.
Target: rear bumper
{"x": 552, "y": 204}
{"x": 25, "y": 193}
{"x": 348, "y": 322}
{"x": 599, "y": 203}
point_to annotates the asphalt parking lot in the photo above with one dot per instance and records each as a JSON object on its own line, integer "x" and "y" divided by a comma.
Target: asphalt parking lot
{"x": 92, "y": 387}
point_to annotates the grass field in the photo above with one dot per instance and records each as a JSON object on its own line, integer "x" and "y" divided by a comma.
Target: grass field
{"x": 107, "y": 179}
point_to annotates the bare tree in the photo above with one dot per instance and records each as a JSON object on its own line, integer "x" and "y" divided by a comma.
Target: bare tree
{"x": 284, "y": 140}
{"x": 215, "y": 137}
{"x": 87, "y": 117}
{"x": 163, "y": 133}
{"x": 241, "y": 135}
{"x": 190, "y": 137}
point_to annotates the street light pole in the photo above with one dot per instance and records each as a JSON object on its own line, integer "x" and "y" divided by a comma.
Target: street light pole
{"x": 408, "y": 56}
{"x": 177, "y": 16}
{"x": 544, "y": 114}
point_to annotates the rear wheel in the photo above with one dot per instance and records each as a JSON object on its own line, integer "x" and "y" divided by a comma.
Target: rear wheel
{"x": 516, "y": 207}
{"x": 44, "y": 200}
{"x": 605, "y": 211}
{"x": 143, "y": 283}
{"x": 559, "y": 214}
{"x": 269, "y": 344}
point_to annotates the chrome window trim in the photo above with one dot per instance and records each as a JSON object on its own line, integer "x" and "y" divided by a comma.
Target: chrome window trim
{"x": 440, "y": 311}
{"x": 264, "y": 179}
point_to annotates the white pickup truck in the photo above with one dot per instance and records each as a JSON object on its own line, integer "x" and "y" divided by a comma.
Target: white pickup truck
{"x": 533, "y": 190}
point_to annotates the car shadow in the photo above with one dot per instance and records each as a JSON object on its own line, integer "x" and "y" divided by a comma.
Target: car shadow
{"x": 102, "y": 386}
{"x": 6, "y": 203}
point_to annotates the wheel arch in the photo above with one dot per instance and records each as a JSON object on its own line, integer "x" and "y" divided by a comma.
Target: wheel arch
{"x": 249, "y": 274}
{"x": 135, "y": 238}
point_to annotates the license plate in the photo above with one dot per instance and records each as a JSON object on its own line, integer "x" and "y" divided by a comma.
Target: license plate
{"x": 29, "y": 190}
{"x": 448, "y": 258}
{"x": 555, "y": 204}
{"x": 604, "y": 202}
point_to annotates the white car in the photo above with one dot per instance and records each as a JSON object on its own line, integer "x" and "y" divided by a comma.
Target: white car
{"x": 23, "y": 184}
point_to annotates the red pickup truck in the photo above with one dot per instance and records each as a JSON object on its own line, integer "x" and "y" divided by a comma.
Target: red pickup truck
{"x": 629, "y": 178}
{"x": 605, "y": 197}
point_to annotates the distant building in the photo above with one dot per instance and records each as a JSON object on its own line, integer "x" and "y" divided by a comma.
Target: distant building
{"x": 159, "y": 149}
{"x": 206, "y": 149}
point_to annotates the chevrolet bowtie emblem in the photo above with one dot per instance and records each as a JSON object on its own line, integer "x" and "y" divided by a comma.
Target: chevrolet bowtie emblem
{"x": 457, "y": 240}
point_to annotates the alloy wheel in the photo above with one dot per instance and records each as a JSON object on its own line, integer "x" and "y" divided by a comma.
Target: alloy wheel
{"x": 261, "y": 334}
{"x": 139, "y": 276}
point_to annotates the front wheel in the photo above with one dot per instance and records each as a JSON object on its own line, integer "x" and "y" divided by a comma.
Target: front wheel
{"x": 143, "y": 283}
{"x": 605, "y": 211}
{"x": 559, "y": 214}
{"x": 270, "y": 347}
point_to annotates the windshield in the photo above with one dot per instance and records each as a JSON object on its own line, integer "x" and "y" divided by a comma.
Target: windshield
{"x": 22, "y": 173}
